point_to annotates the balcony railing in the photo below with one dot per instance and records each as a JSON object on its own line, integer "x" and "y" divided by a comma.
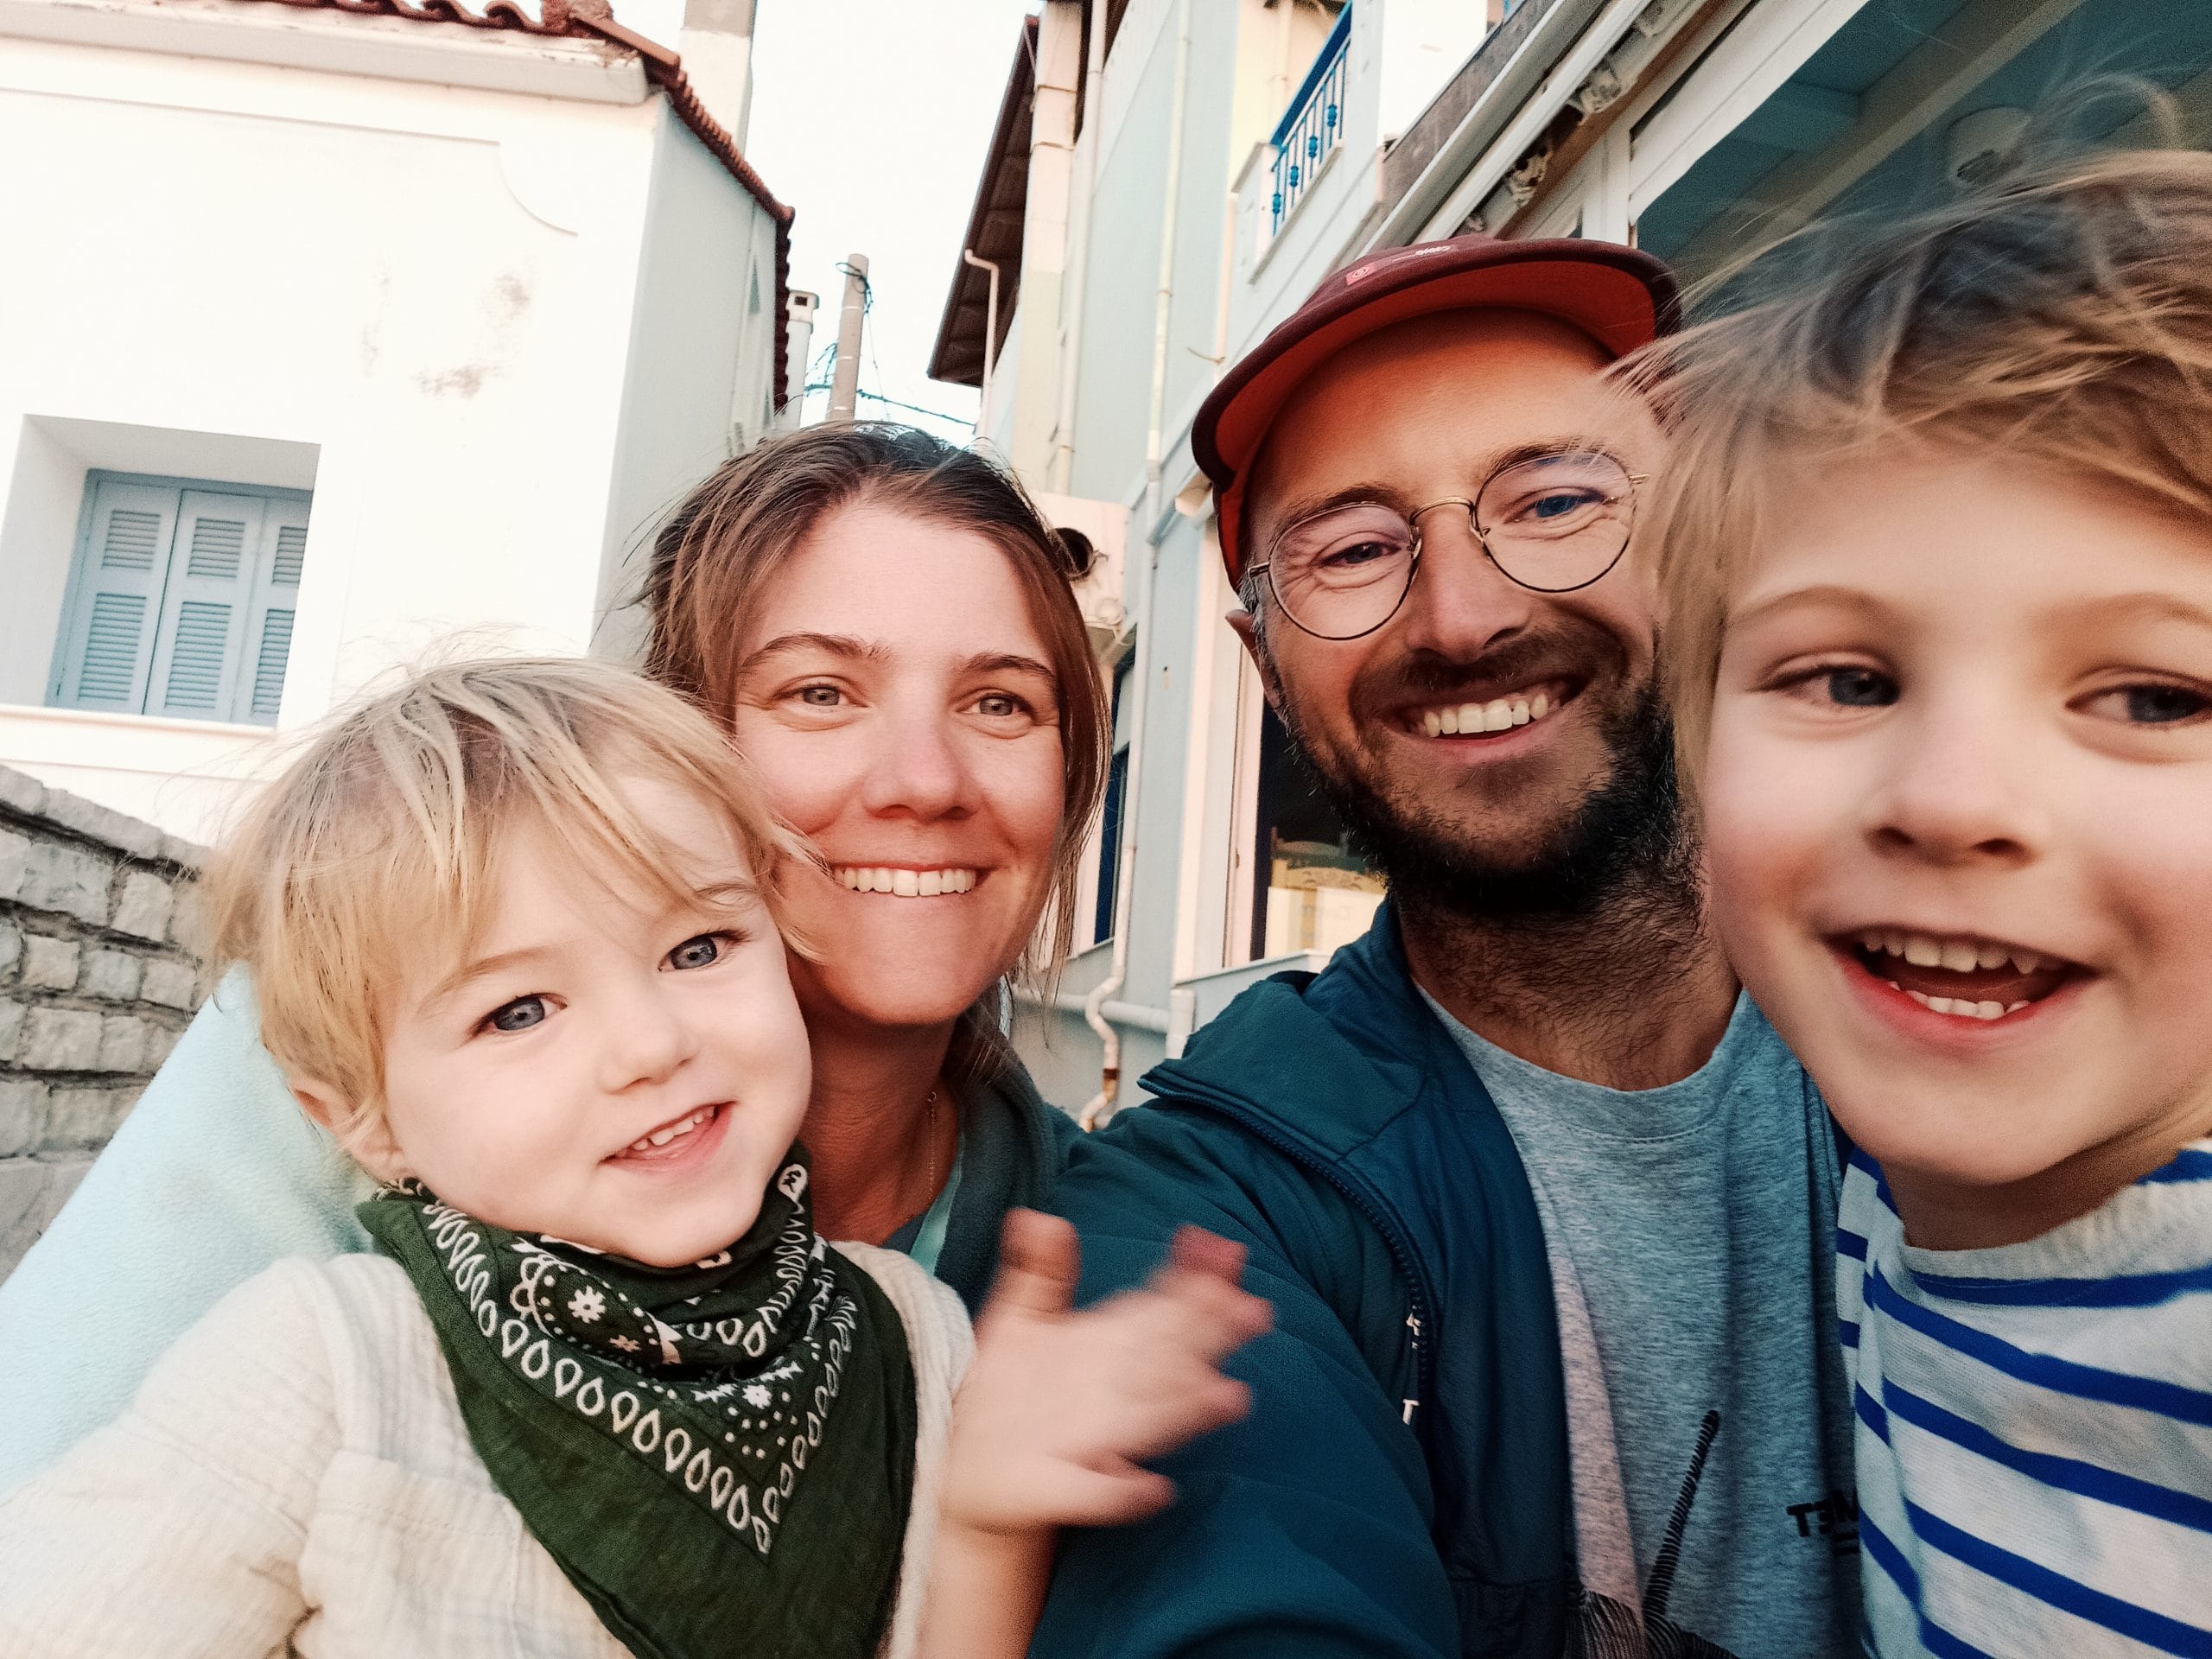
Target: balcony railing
{"x": 1315, "y": 121}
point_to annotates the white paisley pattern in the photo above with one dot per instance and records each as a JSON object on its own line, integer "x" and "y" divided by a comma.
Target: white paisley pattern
{"x": 689, "y": 1399}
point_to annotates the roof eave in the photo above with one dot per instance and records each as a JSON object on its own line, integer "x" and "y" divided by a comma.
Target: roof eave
{"x": 993, "y": 230}
{"x": 588, "y": 69}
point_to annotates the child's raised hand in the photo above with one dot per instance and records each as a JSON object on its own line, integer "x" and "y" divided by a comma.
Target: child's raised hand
{"x": 1059, "y": 1407}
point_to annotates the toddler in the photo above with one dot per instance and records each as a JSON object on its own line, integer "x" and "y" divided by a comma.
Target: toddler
{"x": 1937, "y": 563}
{"x": 512, "y": 929}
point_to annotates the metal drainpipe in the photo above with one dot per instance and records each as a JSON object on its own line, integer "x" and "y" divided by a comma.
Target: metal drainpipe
{"x": 1110, "y": 1077}
{"x": 990, "y": 338}
{"x": 1062, "y": 464}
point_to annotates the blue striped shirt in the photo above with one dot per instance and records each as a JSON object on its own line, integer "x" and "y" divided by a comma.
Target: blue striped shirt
{"x": 2035, "y": 1427}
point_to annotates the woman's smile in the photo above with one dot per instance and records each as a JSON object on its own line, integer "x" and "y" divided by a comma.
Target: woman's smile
{"x": 907, "y": 880}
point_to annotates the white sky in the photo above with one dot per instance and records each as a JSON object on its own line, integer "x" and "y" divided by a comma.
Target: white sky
{"x": 870, "y": 118}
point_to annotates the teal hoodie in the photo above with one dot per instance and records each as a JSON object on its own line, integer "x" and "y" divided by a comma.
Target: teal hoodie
{"x": 1401, "y": 1487}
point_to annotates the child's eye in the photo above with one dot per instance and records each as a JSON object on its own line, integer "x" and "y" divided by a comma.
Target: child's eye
{"x": 1860, "y": 688}
{"x": 2152, "y": 703}
{"x": 701, "y": 952}
{"x": 518, "y": 1015}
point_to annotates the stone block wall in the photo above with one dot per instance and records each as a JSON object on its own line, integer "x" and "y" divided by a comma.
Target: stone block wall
{"x": 96, "y": 981}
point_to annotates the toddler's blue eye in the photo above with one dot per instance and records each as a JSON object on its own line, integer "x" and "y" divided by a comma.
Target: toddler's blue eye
{"x": 518, "y": 1015}
{"x": 701, "y": 952}
{"x": 2162, "y": 705}
{"x": 1860, "y": 688}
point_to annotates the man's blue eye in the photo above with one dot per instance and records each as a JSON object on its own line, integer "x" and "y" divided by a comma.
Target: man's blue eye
{"x": 1558, "y": 505}
{"x": 1355, "y": 554}
{"x": 1860, "y": 688}
{"x": 701, "y": 952}
{"x": 518, "y": 1015}
{"x": 2162, "y": 705}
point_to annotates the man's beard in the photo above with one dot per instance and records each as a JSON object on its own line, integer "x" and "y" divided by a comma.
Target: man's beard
{"x": 1628, "y": 835}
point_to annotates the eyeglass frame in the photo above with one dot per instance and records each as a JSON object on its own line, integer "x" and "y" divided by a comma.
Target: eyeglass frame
{"x": 1413, "y": 523}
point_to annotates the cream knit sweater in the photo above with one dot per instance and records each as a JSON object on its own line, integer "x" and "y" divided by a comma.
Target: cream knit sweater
{"x": 295, "y": 1478}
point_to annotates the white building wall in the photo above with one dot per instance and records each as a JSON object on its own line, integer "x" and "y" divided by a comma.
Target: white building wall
{"x": 416, "y": 298}
{"x": 704, "y": 344}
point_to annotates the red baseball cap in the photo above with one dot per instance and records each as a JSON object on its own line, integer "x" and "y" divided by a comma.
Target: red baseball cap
{"x": 1619, "y": 297}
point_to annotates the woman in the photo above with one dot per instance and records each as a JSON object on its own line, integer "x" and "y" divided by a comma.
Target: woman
{"x": 887, "y": 630}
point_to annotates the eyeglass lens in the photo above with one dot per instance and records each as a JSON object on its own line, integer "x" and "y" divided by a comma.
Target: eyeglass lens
{"x": 1553, "y": 523}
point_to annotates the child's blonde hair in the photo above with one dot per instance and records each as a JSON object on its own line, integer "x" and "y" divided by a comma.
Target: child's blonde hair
{"x": 370, "y": 856}
{"x": 2060, "y": 317}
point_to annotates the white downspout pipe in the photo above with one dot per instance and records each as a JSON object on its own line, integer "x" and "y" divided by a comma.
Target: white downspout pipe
{"x": 990, "y": 337}
{"x": 1062, "y": 466}
{"x": 1110, "y": 1078}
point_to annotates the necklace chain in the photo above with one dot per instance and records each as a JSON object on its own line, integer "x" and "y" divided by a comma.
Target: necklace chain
{"x": 929, "y": 1130}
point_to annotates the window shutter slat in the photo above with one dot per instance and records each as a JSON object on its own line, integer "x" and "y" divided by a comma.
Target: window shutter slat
{"x": 108, "y": 643}
{"x": 268, "y": 665}
{"x": 111, "y": 659}
{"x": 291, "y": 554}
{"x": 196, "y": 663}
{"x": 198, "y": 654}
{"x": 283, "y": 559}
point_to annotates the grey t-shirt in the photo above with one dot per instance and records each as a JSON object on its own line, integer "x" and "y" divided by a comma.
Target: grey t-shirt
{"x": 1691, "y": 1231}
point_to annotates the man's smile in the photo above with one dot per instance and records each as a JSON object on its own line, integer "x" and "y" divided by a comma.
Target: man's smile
{"x": 1499, "y": 711}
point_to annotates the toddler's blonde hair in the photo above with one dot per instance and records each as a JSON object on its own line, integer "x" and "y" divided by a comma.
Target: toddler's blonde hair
{"x": 371, "y": 856}
{"x": 2060, "y": 317}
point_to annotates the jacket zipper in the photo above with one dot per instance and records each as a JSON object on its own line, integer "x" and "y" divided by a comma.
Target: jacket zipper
{"x": 1417, "y": 1321}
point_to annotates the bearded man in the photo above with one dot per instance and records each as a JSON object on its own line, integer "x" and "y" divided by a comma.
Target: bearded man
{"x": 1544, "y": 1207}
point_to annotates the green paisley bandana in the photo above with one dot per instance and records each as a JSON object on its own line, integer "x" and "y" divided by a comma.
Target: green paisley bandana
{"x": 721, "y": 1457}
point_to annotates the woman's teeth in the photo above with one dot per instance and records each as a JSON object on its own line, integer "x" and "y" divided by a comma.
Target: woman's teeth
{"x": 667, "y": 1132}
{"x": 904, "y": 884}
{"x": 1495, "y": 716}
{"x": 1958, "y": 956}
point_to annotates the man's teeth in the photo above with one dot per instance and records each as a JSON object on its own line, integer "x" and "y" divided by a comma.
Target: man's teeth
{"x": 1492, "y": 716}
{"x": 904, "y": 883}
{"x": 661, "y": 1137}
{"x": 1957, "y": 956}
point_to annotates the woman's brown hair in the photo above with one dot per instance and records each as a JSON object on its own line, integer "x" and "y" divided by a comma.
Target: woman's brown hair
{"x": 734, "y": 532}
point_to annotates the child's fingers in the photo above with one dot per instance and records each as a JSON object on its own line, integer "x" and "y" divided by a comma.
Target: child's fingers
{"x": 1200, "y": 1402}
{"x": 1039, "y": 1259}
{"x": 1200, "y": 1251}
{"x": 1198, "y": 1312}
{"x": 1110, "y": 1496}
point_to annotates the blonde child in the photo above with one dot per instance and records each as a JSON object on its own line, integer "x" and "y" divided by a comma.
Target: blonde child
{"x": 512, "y": 928}
{"x": 1938, "y": 575}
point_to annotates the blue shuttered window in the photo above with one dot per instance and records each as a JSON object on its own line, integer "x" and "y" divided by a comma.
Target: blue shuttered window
{"x": 183, "y": 600}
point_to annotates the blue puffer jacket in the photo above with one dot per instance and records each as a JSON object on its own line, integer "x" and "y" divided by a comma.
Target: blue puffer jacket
{"x": 1402, "y": 1485}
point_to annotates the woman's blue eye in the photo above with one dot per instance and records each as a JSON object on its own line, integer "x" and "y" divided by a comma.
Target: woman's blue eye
{"x": 701, "y": 952}
{"x": 1860, "y": 688}
{"x": 2162, "y": 705}
{"x": 518, "y": 1015}
{"x": 819, "y": 696}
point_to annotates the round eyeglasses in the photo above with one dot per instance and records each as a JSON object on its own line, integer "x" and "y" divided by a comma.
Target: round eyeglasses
{"x": 1552, "y": 523}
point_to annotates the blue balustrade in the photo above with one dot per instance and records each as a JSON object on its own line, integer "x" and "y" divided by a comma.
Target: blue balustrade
{"x": 1314, "y": 122}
